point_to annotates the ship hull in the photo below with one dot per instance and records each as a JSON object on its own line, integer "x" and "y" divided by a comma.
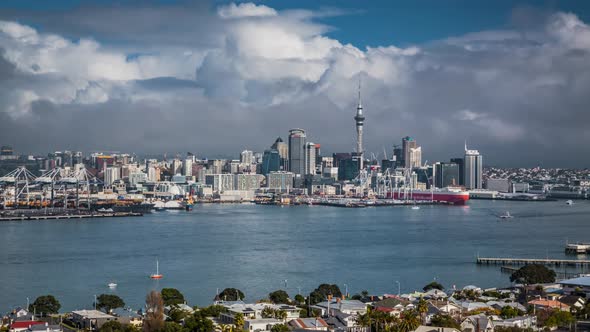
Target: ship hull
{"x": 455, "y": 198}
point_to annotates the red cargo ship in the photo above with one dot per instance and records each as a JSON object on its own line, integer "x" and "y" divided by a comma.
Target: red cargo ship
{"x": 453, "y": 196}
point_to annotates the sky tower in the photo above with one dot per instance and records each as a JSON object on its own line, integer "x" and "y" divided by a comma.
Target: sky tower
{"x": 359, "y": 118}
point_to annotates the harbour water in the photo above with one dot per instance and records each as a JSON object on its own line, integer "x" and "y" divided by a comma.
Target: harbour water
{"x": 256, "y": 248}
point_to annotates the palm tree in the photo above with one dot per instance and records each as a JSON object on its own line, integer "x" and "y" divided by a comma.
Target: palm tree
{"x": 422, "y": 308}
{"x": 409, "y": 322}
{"x": 239, "y": 321}
{"x": 364, "y": 320}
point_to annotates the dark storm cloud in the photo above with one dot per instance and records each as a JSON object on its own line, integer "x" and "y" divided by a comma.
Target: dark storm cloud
{"x": 215, "y": 86}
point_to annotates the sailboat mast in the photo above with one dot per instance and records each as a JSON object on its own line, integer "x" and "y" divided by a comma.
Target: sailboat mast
{"x": 157, "y": 267}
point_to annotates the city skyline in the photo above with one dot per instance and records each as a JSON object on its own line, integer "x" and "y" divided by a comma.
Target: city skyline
{"x": 226, "y": 77}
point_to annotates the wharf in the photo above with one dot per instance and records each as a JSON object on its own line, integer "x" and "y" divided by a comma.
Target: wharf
{"x": 68, "y": 216}
{"x": 577, "y": 248}
{"x": 525, "y": 261}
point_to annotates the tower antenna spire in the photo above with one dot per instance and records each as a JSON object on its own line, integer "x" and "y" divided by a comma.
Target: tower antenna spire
{"x": 359, "y": 89}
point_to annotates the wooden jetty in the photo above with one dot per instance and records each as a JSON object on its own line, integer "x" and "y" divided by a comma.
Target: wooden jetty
{"x": 525, "y": 261}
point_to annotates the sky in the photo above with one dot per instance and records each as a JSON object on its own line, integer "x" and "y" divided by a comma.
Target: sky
{"x": 510, "y": 78}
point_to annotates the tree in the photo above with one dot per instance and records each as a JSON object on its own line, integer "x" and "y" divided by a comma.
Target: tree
{"x": 172, "y": 296}
{"x": 111, "y": 326}
{"x": 440, "y": 320}
{"x": 231, "y": 294}
{"x": 422, "y": 308}
{"x": 280, "y": 328}
{"x": 559, "y": 318}
{"x": 299, "y": 299}
{"x": 212, "y": 311}
{"x": 511, "y": 329}
{"x": 46, "y": 304}
{"x": 279, "y": 297}
{"x": 510, "y": 312}
{"x": 533, "y": 274}
{"x": 172, "y": 327}
{"x": 198, "y": 322}
{"x": 154, "y": 318}
{"x": 321, "y": 293}
{"x": 280, "y": 315}
{"x": 109, "y": 302}
{"x": 239, "y": 321}
{"x": 267, "y": 312}
{"x": 409, "y": 322}
{"x": 433, "y": 285}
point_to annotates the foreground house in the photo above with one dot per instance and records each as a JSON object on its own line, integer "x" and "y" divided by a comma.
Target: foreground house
{"x": 549, "y": 304}
{"x": 91, "y": 319}
{"x": 424, "y": 328}
{"x": 261, "y": 324}
{"x": 477, "y": 323}
{"x": 576, "y": 286}
{"x": 522, "y": 322}
{"x": 23, "y": 325}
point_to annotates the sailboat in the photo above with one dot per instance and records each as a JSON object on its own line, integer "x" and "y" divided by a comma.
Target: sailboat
{"x": 506, "y": 216}
{"x": 157, "y": 275}
{"x": 112, "y": 285}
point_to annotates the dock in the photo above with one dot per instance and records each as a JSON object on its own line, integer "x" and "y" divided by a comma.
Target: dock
{"x": 68, "y": 216}
{"x": 540, "y": 261}
{"x": 577, "y": 248}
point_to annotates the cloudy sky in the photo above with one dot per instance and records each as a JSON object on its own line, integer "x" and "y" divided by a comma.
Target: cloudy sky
{"x": 214, "y": 78}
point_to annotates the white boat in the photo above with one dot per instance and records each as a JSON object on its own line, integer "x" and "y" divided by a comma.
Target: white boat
{"x": 112, "y": 285}
{"x": 506, "y": 216}
{"x": 415, "y": 207}
{"x": 569, "y": 202}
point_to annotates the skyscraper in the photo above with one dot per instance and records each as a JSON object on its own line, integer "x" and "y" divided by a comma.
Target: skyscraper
{"x": 446, "y": 174}
{"x": 473, "y": 169}
{"x": 310, "y": 154}
{"x": 461, "y": 163}
{"x": 247, "y": 157}
{"x": 297, "y": 140}
{"x": 415, "y": 157}
{"x": 408, "y": 143}
{"x": 283, "y": 150}
{"x": 271, "y": 161}
{"x": 359, "y": 119}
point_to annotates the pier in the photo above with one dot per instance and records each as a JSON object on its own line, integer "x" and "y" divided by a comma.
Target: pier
{"x": 540, "y": 261}
{"x": 577, "y": 248}
{"x": 68, "y": 216}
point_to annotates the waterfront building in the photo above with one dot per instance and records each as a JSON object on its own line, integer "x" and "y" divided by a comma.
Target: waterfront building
{"x": 446, "y": 175}
{"x": 408, "y": 143}
{"x": 247, "y": 181}
{"x": 153, "y": 174}
{"x": 580, "y": 285}
{"x": 500, "y": 185}
{"x": 310, "y": 161}
{"x": 297, "y": 140}
{"x": 282, "y": 181}
{"x": 473, "y": 169}
{"x": 220, "y": 182}
{"x": 330, "y": 172}
{"x": 460, "y": 162}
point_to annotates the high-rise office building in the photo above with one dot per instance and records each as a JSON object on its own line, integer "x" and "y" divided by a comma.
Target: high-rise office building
{"x": 247, "y": 157}
{"x": 460, "y": 162}
{"x": 415, "y": 157}
{"x": 408, "y": 143}
{"x": 271, "y": 161}
{"x": 310, "y": 154}
{"x": 446, "y": 175}
{"x": 282, "y": 181}
{"x": 297, "y": 140}
{"x": 283, "y": 150}
{"x": 111, "y": 175}
{"x": 187, "y": 168}
{"x": 473, "y": 165}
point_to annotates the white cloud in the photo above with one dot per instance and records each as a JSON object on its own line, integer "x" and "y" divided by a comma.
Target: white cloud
{"x": 246, "y": 9}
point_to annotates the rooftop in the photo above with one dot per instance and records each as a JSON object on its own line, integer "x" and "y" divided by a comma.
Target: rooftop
{"x": 580, "y": 281}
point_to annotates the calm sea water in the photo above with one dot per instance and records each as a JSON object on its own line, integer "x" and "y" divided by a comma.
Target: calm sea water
{"x": 255, "y": 248}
